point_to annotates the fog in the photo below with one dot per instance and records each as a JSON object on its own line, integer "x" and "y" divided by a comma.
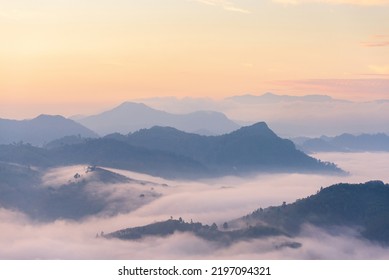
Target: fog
{"x": 113, "y": 193}
{"x": 207, "y": 201}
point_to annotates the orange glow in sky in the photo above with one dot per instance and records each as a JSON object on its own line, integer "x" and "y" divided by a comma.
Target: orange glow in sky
{"x": 81, "y": 56}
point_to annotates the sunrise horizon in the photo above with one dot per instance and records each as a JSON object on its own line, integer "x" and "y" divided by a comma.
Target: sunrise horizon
{"x": 67, "y": 56}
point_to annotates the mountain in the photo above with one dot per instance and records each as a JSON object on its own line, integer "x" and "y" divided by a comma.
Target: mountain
{"x": 364, "y": 207}
{"x": 347, "y": 143}
{"x": 249, "y": 149}
{"x": 130, "y": 116}
{"x": 40, "y": 130}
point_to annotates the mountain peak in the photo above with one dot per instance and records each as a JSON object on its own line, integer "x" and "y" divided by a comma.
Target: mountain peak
{"x": 132, "y": 106}
{"x": 48, "y": 117}
{"x": 259, "y": 128}
{"x": 260, "y": 125}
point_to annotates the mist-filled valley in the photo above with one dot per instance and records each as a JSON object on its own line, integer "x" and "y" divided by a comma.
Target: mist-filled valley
{"x": 127, "y": 199}
{"x": 194, "y": 129}
{"x": 193, "y": 185}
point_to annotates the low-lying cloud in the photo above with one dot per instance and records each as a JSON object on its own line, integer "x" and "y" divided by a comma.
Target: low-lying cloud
{"x": 208, "y": 201}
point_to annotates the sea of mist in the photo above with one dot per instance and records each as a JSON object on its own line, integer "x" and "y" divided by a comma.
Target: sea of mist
{"x": 207, "y": 201}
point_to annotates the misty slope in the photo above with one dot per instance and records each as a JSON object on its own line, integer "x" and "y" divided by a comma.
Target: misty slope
{"x": 82, "y": 192}
{"x": 361, "y": 206}
{"x": 248, "y": 149}
{"x": 129, "y": 117}
{"x": 40, "y": 130}
{"x": 347, "y": 143}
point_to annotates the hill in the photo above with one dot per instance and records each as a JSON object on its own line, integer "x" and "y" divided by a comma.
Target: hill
{"x": 40, "y": 130}
{"x": 364, "y": 207}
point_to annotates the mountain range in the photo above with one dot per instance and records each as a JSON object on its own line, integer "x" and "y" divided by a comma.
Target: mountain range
{"x": 309, "y": 115}
{"x": 290, "y": 115}
{"x": 170, "y": 153}
{"x": 345, "y": 143}
{"x": 275, "y": 98}
{"x": 131, "y": 116}
{"x": 249, "y": 149}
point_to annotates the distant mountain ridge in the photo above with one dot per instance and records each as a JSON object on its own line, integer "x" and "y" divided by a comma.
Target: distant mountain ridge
{"x": 347, "y": 143}
{"x": 274, "y": 98}
{"x": 131, "y": 116}
{"x": 41, "y": 130}
{"x": 290, "y": 115}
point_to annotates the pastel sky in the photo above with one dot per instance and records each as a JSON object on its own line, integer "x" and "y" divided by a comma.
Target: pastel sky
{"x": 72, "y": 56}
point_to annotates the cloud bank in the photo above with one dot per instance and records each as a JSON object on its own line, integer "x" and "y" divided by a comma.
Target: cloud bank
{"x": 208, "y": 201}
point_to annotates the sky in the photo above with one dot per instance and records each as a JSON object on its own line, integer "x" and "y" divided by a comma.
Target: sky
{"x": 71, "y": 57}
